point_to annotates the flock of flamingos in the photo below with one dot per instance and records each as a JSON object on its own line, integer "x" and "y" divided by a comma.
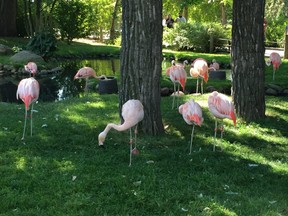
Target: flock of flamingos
{"x": 219, "y": 104}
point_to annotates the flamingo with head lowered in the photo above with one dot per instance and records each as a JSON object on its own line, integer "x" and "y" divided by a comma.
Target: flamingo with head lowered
{"x": 31, "y": 67}
{"x": 192, "y": 115}
{"x": 221, "y": 107}
{"x": 28, "y": 91}
{"x": 85, "y": 73}
{"x": 132, "y": 113}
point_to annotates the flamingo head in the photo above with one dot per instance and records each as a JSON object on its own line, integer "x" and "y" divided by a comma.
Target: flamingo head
{"x": 101, "y": 138}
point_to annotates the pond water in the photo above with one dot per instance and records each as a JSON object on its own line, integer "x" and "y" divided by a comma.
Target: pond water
{"x": 62, "y": 86}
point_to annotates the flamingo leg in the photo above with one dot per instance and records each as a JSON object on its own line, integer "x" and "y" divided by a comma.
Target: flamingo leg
{"x": 177, "y": 100}
{"x": 131, "y": 142}
{"x": 191, "y": 142}
{"x": 174, "y": 96}
{"x": 197, "y": 85}
{"x": 202, "y": 86}
{"x": 31, "y": 129}
{"x": 23, "y": 136}
{"x": 273, "y": 74}
{"x": 215, "y": 133}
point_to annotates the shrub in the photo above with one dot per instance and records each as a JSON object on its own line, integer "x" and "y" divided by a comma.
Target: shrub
{"x": 43, "y": 44}
{"x": 194, "y": 36}
{"x": 72, "y": 18}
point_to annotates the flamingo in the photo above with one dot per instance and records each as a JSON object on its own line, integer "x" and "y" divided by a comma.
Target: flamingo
{"x": 132, "y": 113}
{"x": 200, "y": 69}
{"x": 178, "y": 76}
{"x": 214, "y": 66}
{"x": 31, "y": 67}
{"x": 85, "y": 73}
{"x": 192, "y": 115}
{"x": 28, "y": 91}
{"x": 221, "y": 107}
{"x": 275, "y": 60}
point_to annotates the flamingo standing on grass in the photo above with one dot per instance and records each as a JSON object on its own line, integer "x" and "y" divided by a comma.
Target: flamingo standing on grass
{"x": 200, "y": 69}
{"x": 275, "y": 60}
{"x": 85, "y": 73}
{"x": 192, "y": 115}
{"x": 31, "y": 67}
{"x": 221, "y": 107}
{"x": 178, "y": 75}
{"x": 28, "y": 91}
{"x": 132, "y": 113}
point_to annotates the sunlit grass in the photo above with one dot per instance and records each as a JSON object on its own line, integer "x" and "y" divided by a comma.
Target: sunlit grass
{"x": 65, "y": 171}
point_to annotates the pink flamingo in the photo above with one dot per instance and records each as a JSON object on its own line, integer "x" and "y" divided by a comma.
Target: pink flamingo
{"x": 31, "y": 67}
{"x": 214, "y": 66}
{"x": 132, "y": 113}
{"x": 200, "y": 69}
{"x": 192, "y": 115}
{"x": 275, "y": 60}
{"x": 221, "y": 107}
{"x": 85, "y": 73}
{"x": 28, "y": 91}
{"x": 178, "y": 76}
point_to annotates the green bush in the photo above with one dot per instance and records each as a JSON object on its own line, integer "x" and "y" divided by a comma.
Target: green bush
{"x": 195, "y": 36}
{"x": 72, "y": 18}
{"x": 43, "y": 44}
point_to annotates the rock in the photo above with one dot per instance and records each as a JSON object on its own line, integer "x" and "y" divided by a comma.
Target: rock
{"x": 5, "y": 50}
{"x": 275, "y": 87}
{"x": 271, "y": 91}
{"x": 26, "y": 56}
{"x": 165, "y": 91}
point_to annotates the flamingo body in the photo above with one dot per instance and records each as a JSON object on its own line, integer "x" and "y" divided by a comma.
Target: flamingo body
{"x": 275, "y": 60}
{"x": 192, "y": 115}
{"x": 85, "y": 72}
{"x": 200, "y": 69}
{"x": 221, "y": 107}
{"x": 214, "y": 66}
{"x": 28, "y": 91}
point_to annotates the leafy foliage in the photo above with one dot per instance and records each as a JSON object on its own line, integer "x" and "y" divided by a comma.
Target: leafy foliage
{"x": 72, "y": 17}
{"x": 195, "y": 36}
{"x": 43, "y": 44}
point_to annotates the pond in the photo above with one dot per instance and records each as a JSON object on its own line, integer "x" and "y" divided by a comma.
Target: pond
{"x": 62, "y": 86}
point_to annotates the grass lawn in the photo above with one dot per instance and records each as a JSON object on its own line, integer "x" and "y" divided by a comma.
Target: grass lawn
{"x": 62, "y": 171}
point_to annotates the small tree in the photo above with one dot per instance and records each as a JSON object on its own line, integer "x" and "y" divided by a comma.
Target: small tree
{"x": 72, "y": 19}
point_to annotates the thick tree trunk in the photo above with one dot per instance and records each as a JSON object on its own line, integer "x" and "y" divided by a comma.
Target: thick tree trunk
{"x": 141, "y": 58}
{"x": 248, "y": 66}
{"x": 8, "y": 12}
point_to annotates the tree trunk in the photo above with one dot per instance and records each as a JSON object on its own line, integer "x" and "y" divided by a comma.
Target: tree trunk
{"x": 8, "y": 12}
{"x": 248, "y": 66}
{"x": 141, "y": 57}
{"x": 114, "y": 16}
{"x": 223, "y": 14}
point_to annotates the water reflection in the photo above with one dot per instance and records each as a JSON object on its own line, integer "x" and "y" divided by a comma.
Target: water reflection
{"x": 60, "y": 86}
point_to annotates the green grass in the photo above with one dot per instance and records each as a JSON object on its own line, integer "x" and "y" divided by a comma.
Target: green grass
{"x": 62, "y": 171}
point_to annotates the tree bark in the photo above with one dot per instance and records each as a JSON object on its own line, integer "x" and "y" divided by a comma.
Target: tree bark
{"x": 8, "y": 12}
{"x": 248, "y": 65}
{"x": 141, "y": 57}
